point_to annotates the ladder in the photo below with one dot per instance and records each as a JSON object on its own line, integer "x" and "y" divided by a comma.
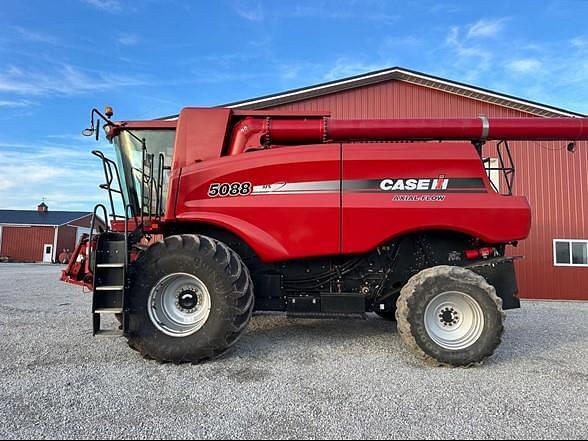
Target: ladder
{"x": 110, "y": 282}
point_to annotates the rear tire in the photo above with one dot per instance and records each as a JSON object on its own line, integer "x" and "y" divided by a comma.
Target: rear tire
{"x": 191, "y": 298}
{"x": 450, "y": 316}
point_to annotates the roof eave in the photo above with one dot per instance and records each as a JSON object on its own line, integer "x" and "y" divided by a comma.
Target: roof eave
{"x": 406, "y": 75}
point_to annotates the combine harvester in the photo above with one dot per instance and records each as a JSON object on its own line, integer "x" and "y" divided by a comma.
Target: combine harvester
{"x": 314, "y": 216}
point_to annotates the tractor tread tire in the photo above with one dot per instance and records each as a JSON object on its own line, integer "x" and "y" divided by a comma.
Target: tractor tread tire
{"x": 458, "y": 274}
{"x": 231, "y": 281}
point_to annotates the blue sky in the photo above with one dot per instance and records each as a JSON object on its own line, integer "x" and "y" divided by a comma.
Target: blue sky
{"x": 150, "y": 58}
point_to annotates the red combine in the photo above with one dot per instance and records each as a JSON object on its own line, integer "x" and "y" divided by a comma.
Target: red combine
{"x": 317, "y": 217}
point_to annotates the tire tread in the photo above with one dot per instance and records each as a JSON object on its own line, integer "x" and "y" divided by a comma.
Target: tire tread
{"x": 241, "y": 295}
{"x": 453, "y": 272}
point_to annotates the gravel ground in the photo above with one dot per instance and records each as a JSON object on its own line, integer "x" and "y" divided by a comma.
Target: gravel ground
{"x": 284, "y": 379}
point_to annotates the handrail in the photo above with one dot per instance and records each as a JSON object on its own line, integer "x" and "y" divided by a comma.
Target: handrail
{"x": 144, "y": 154}
{"x": 150, "y": 157}
{"x": 159, "y": 201}
{"x": 151, "y": 186}
{"x": 108, "y": 165}
{"x": 92, "y": 225}
{"x": 505, "y": 165}
{"x": 508, "y": 168}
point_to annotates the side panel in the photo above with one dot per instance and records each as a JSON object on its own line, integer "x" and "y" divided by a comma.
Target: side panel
{"x": 200, "y": 135}
{"x": 26, "y": 243}
{"x": 442, "y": 187}
{"x": 66, "y": 238}
{"x": 82, "y": 222}
{"x": 288, "y": 204}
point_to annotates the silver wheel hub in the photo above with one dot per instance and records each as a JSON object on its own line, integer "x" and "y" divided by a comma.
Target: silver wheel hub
{"x": 454, "y": 320}
{"x": 179, "y": 304}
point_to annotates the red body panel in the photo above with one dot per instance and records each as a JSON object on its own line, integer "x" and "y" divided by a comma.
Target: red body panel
{"x": 277, "y": 225}
{"x": 200, "y": 135}
{"x": 301, "y": 212}
{"x": 369, "y": 219}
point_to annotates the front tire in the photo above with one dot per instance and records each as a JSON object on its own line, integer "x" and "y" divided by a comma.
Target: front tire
{"x": 450, "y": 316}
{"x": 191, "y": 298}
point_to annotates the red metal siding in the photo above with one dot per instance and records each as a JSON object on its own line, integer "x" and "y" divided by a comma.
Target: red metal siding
{"x": 66, "y": 239}
{"x": 554, "y": 181}
{"x": 83, "y": 222}
{"x": 397, "y": 99}
{"x": 26, "y": 243}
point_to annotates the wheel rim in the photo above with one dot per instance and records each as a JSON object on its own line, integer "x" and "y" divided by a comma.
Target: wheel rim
{"x": 179, "y": 304}
{"x": 454, "y": 320}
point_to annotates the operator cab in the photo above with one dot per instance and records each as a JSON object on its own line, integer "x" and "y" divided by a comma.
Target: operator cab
{"x": 138, "y": 177}
{"x": 128, "y": 145}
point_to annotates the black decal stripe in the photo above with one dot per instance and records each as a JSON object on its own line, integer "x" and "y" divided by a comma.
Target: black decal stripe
{"x": 453, "y": 185}
{"x": 360, "y": 184}
{"x": 461, "y": 190}
{"x": 466, "y": 183}
{"x": 466, "y": 190}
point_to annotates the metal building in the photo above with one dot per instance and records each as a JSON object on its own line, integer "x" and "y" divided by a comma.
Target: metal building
{"x": 555, "y": 264}
{"x": 40, "y": 235}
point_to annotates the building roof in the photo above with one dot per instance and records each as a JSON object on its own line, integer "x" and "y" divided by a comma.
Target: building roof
{"x": 406, "y": 75}
{"x": 34, "y": 217}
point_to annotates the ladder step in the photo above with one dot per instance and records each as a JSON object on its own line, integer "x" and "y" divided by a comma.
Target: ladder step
{"x": 110, "y": 265}
{"x": 109, "y": 333}
{"x": 109, "y": 288}
{"x": 109, "y": 311}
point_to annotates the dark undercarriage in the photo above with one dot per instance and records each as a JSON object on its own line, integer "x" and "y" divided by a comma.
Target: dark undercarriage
{"x": 356, "y": 284}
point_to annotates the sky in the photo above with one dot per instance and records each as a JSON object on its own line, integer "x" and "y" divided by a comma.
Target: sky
{"x": 150, "y": 58}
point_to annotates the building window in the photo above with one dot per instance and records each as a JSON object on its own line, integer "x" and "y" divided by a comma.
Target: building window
{"x": 570, "y": 252}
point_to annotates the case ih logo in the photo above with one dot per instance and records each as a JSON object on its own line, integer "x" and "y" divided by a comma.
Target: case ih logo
{"x": 438, "y": 184}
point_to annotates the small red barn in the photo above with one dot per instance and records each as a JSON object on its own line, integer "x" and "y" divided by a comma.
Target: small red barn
{"x": 40, "y": 235}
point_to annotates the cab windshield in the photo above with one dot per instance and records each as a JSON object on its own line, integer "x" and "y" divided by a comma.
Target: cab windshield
{"x": 129, "y": 159}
